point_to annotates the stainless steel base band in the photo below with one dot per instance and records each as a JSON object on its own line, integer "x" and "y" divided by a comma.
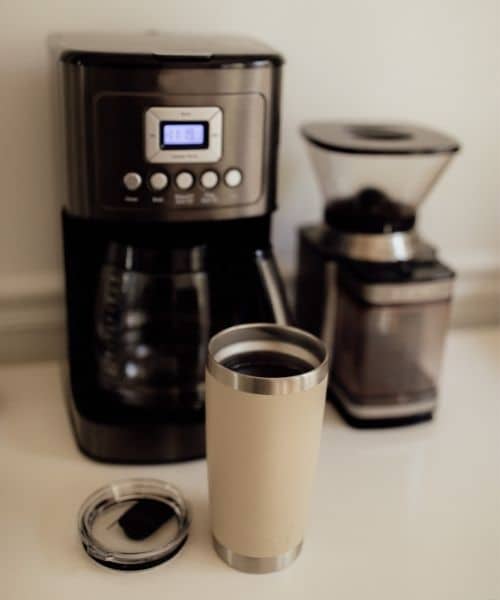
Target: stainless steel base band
{"x": 251, "y": 564}
{"x": 376, "y": 247}
{"x": 410, "y": 409}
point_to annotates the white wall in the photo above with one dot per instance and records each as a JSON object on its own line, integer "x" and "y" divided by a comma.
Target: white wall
{"x": 436, "y": 62}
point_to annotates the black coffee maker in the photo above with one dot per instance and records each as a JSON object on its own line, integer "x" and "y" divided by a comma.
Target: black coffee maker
{"x": 171, "y": 145}
{"x": 368, "y": 284}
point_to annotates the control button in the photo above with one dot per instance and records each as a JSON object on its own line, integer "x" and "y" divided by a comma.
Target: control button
{"x": 209, "y": 179}
{"x": 184, "y": 180}
{"x": 158, "y": 181}
{"x": 233, "y": 178}
{"x": 132, "y": 181}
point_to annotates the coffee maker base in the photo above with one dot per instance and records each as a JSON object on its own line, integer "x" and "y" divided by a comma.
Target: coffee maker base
{"x": 381, "y": 416}
{"x": 139, "y": 443}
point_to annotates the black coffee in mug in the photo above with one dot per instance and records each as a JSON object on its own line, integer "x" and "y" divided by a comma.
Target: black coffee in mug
{"x": 267, "y": 364}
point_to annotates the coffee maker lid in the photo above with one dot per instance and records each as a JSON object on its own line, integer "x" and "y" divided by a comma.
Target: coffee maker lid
{"x": 134, "y": 524}
{"x": 378, "y": 138}
{"x": 158, "y": 46}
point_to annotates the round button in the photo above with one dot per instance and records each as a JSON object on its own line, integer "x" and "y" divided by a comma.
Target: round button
{"x": 184, "y": 180}
{"x": 132, "y": 181}
{"x": 209, "y": 180}
{"x": 158, "y": 181}
{"x": 233, "y": 178}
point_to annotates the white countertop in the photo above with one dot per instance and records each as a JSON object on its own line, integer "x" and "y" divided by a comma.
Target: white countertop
{"x": 411, "y": 513}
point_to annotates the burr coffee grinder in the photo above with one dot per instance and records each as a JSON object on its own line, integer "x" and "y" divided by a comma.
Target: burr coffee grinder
{"x": 368, "y": 284}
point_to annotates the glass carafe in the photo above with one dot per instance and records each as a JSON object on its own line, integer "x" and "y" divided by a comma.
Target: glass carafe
{"x": 152, "y": 321}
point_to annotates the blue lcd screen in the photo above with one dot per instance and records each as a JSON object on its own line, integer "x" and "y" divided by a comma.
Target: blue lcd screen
{"x": 188, "y": 135}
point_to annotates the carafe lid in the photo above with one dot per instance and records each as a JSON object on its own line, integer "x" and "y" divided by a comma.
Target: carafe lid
{"x": 157, "y": 260}
{"x": 134, "y": 524}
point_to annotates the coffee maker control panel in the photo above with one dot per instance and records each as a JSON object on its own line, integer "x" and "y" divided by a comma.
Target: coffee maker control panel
{"x": 180, "y": 157}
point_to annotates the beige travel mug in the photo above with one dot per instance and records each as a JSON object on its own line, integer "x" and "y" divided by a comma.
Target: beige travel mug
{"x": 265, "y": 398}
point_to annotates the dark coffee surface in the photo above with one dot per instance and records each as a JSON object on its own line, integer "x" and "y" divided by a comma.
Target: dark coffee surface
{"x": 267, "y": 364}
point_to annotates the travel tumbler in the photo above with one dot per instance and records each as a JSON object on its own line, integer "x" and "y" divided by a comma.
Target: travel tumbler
{"x": 265, "y": 397}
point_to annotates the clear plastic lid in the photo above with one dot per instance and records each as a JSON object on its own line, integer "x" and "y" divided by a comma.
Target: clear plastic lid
{"x": 373, "y": 176}
{"x": 134, "y": 524}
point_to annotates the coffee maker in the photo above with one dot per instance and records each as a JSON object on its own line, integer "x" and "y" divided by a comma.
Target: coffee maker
{"x": 367, "y": 284}
{"x": 171, "y": 146}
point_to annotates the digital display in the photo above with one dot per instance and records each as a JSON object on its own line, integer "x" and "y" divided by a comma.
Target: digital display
{"x": 189, "y": 135}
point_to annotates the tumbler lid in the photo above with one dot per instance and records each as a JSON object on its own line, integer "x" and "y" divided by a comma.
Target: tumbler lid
{"x": 134, "y": 524}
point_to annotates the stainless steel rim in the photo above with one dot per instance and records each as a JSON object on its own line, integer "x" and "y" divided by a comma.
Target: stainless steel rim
{"x": 273, "y": 337}
{"x": 251, "y": 564}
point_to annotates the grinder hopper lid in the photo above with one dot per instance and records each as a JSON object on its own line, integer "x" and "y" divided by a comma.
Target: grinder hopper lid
{"x": 378, "y": 138}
